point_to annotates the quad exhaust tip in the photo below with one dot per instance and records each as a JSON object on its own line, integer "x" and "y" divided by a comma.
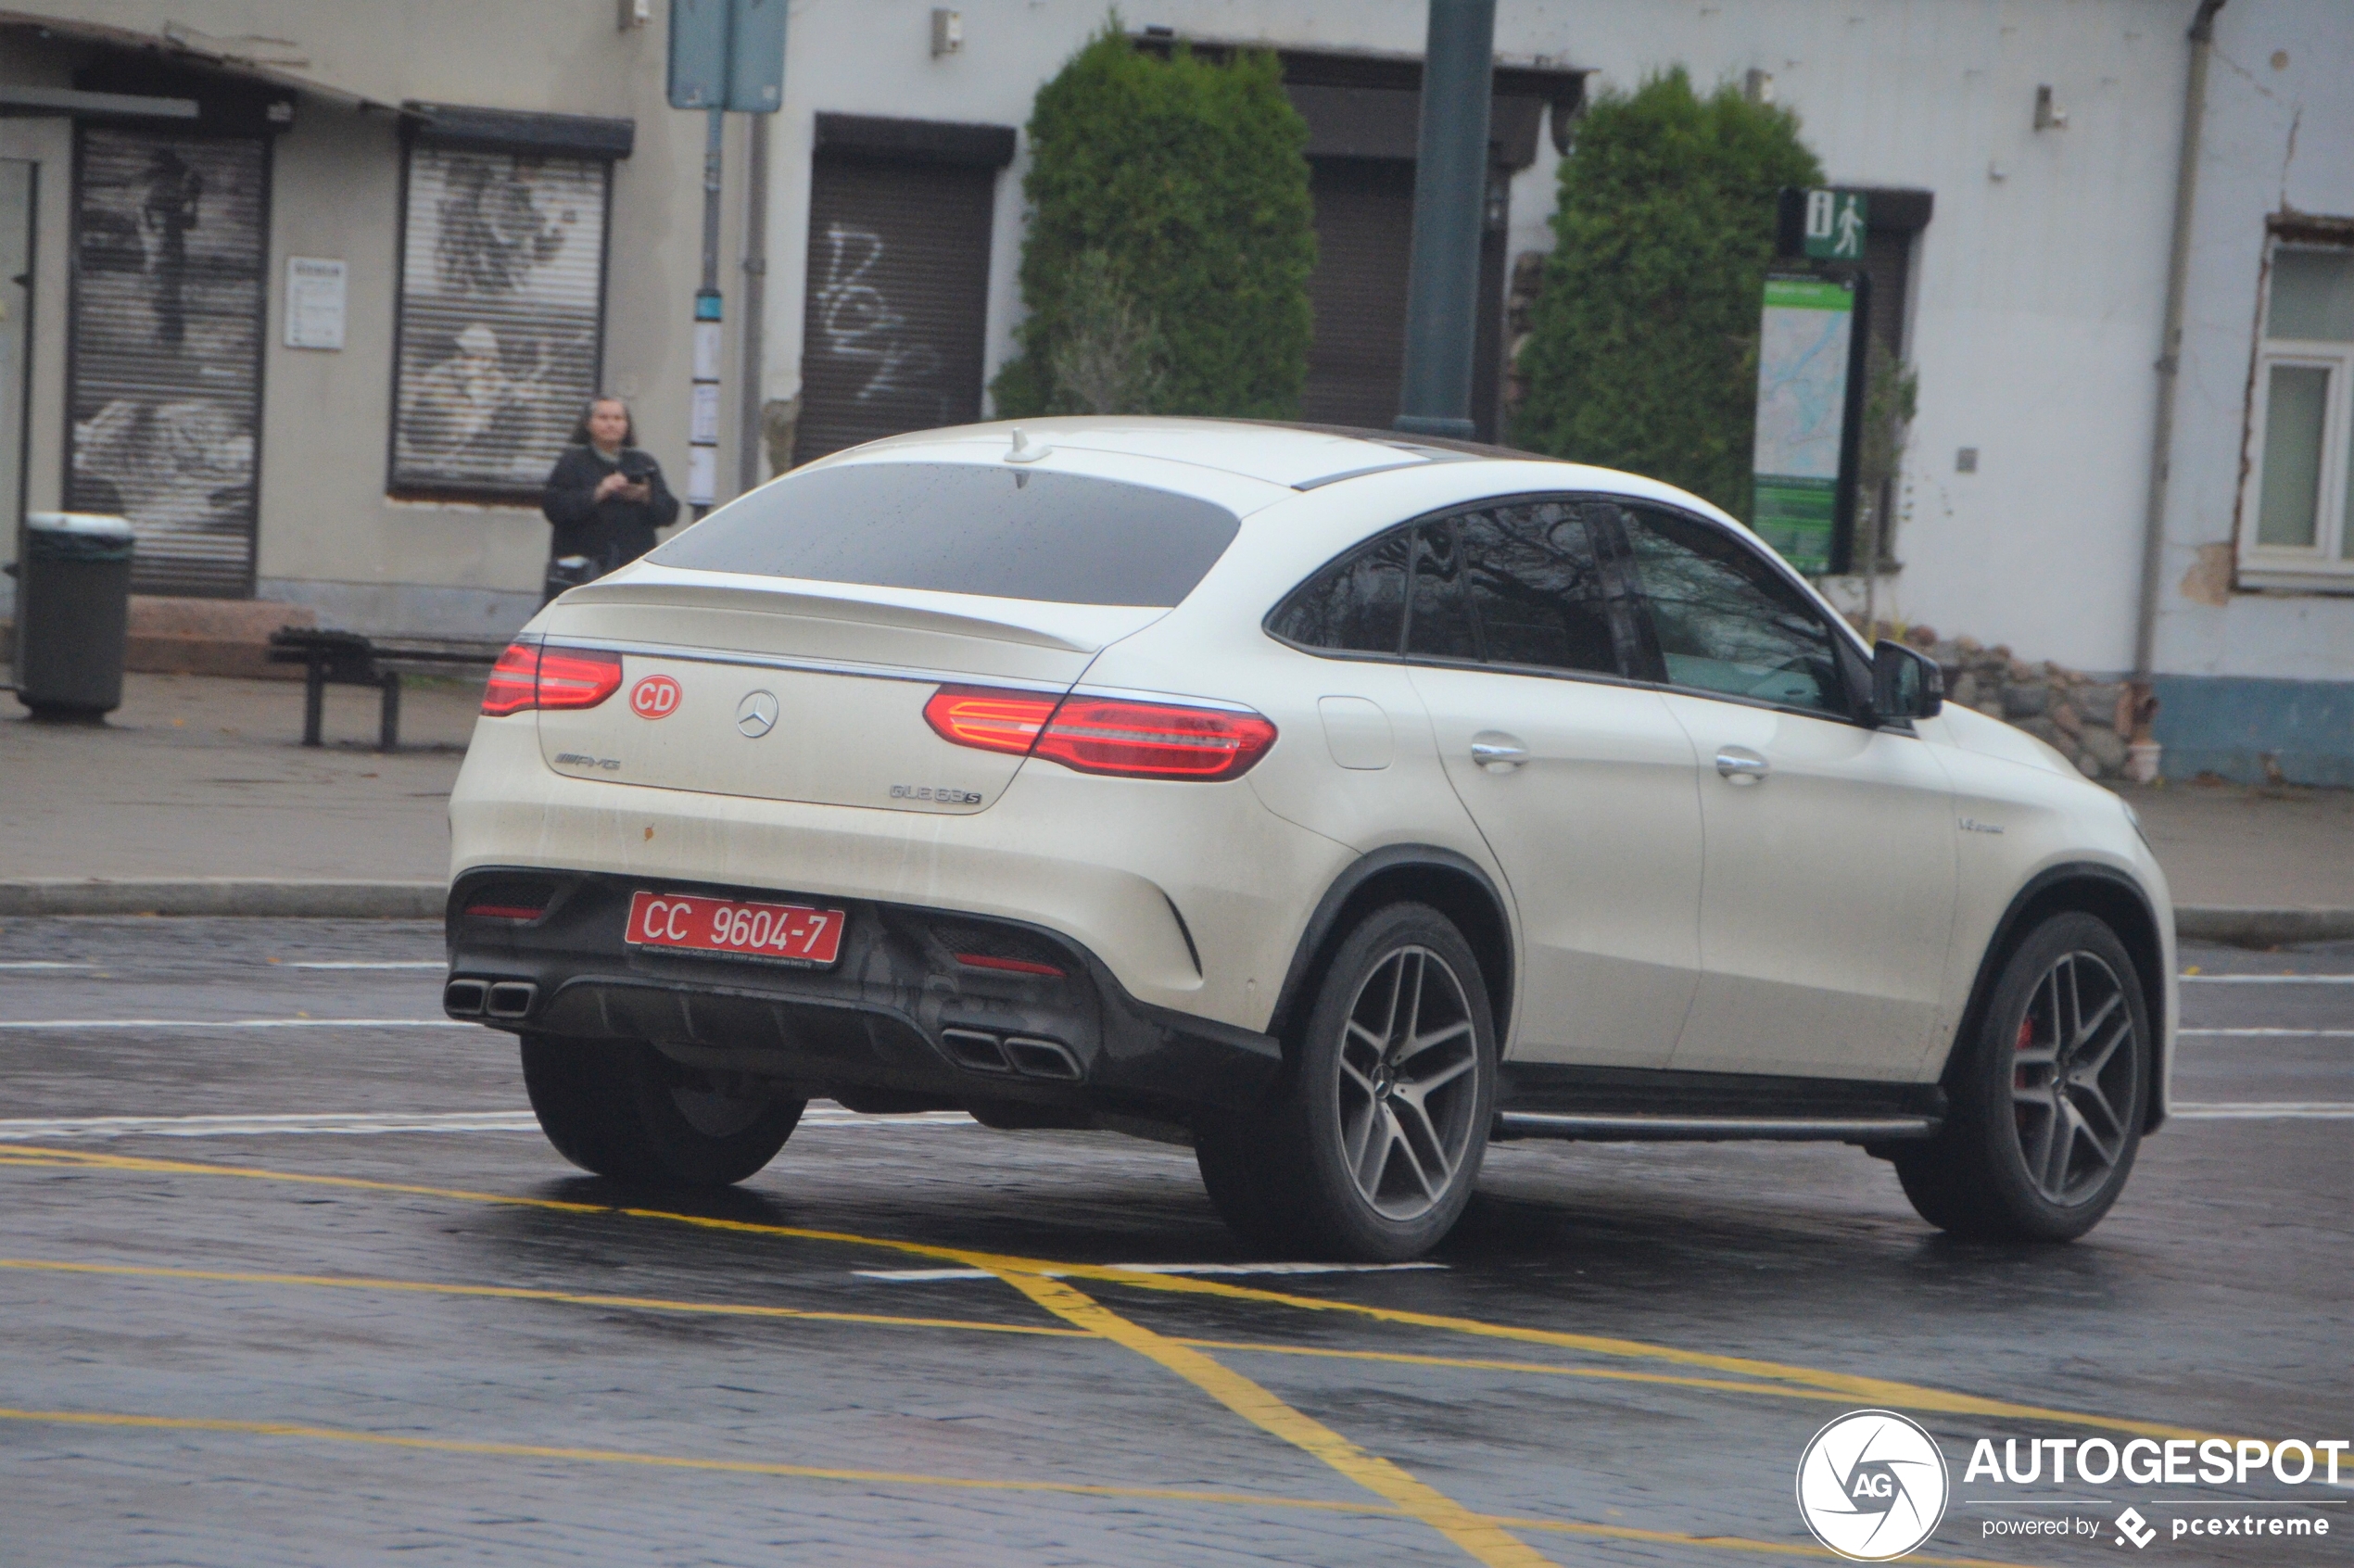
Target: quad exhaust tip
{"x": 1022, "y": 1054}
{"x": 465, "y": 998}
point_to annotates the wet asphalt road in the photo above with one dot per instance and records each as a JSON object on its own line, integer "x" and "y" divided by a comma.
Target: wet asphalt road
{"x": 291, "y": 1335}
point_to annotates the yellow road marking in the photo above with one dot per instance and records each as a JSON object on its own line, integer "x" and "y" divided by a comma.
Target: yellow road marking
{"x": 519, "y": 1293}
{"x": 1867, "y": 1390}
{"x": 103, "y": 1419}
{"x": 1482, "y": 1540}
{"x": 735, "y": 1310}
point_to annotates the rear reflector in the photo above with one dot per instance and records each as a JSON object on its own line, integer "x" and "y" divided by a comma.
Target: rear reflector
{"x": 502, "y": 912}
{"x": 1011, "y": 965}
{"x": 528, "y": 675}
{"x": 1104, "y": 734}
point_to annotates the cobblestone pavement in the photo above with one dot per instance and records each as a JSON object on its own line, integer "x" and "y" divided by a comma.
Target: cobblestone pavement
{"x": 283, "y": 1287}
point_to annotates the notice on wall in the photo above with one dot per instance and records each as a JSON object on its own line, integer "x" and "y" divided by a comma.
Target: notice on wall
{"x": 1804, "y": 350}
{"x": 314, "y": 302}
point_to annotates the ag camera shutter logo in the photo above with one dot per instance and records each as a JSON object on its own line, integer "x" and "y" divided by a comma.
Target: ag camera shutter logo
{"x": 1872, "y": 1485}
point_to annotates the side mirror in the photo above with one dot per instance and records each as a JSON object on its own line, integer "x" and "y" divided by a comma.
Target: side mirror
{"x": 1907, "y": 684}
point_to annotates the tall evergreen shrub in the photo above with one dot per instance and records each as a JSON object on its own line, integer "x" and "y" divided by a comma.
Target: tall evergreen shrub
{"x": 1180, "y": 187}
{"x": 1642, "y": 345}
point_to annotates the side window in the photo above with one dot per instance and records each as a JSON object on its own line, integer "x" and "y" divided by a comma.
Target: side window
{"x": 1535, "y": 585}
{"x": 1356, "y": 605}
{"x": 1439, "y": 624}
{"x": 1728, "y": 622}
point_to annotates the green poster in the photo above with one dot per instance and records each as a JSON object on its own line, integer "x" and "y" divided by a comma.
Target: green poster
{"x": 1802, "y": 350}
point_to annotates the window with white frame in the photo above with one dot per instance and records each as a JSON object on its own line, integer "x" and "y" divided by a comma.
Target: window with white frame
{"x": 2297, "y": 516}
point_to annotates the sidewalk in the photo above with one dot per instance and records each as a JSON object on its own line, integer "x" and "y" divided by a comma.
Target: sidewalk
{"x": 203, "y": 777}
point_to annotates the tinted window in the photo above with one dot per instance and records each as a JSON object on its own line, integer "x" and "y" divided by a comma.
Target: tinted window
{"x": 1356, "y": 605}
{"x": 1728, "y": 622}
{"x": 960, "y": 527}
{"x": 1535, "y": 585}
{"x": 1439, "y": 625}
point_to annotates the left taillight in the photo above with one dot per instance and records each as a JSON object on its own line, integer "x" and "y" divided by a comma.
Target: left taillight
{"x": 528, "y": 675}
{"x": 1106, "y": 735}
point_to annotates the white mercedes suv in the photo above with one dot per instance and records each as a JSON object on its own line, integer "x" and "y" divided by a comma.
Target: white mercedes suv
{"x": 1331, "y": 802}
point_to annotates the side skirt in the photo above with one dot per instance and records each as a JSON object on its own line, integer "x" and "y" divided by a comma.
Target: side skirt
{"x": 1629, "y": 1105}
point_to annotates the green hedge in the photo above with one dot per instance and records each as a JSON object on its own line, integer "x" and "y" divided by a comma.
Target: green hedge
{"x": 1175, "y": 193}
{"x": 1642, "y": 345}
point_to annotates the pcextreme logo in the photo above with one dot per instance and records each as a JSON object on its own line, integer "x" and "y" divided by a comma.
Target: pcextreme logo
{"x": 1872, "y": 1485}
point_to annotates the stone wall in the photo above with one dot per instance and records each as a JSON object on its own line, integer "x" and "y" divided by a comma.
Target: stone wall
{"x": 2086, "y": 720}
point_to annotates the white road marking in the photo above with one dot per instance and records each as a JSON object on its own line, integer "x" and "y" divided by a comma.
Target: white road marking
{"x": 235, "y": 1023}
{"x": 42, "y": 964}
{"x": 359, "y": 1122}
{"x": 2266, "y": 1110}
{"x": 249, "y": 1126}
{"x": 2268, "y": 980}
{"x": 375, "y": 964}
{"x": 921, "y": 1276}
{"x": 2305, "y": 1033}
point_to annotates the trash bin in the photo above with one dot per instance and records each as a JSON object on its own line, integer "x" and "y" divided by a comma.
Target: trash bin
{"x": 73, "y": 608}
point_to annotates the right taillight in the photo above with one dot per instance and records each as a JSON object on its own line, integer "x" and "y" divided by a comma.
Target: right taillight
{"x": 530, "y": 675}
{"x": 1107, "y": 734}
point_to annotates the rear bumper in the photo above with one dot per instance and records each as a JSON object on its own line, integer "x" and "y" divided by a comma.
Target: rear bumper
{"x": 897, "y": 1022}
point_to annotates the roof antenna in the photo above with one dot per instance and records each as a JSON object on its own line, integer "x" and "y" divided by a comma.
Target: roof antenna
{"x": 1023, "y": 451}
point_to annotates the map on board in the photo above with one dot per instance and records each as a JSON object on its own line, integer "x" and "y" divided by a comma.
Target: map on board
{"x": 1802, "y": 353}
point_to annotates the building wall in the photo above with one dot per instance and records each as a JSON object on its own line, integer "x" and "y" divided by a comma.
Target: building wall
{"x": 329, "y": 534}
{"x": 2036, "y": 298}
{"x": 2250, "y": 675}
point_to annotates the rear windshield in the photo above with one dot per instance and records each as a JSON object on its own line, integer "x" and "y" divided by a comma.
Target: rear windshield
{"x": 958, "y": 528}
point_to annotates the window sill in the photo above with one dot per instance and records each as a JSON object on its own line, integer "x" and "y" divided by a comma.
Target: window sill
{"x": 2255, "y": 577}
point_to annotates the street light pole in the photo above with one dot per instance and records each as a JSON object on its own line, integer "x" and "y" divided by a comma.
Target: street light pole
{"x": 1450, "y": 192}
{"x": 703, "y": 420}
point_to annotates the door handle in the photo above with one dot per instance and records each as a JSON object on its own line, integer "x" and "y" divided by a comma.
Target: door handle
{"x": 1497, "y": 752}
{"x": 1738, "y": 765}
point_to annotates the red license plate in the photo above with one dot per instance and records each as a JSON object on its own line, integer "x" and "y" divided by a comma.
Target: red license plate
{"x": 791, "y": 931}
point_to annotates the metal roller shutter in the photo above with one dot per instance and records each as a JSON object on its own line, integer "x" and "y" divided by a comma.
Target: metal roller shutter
{"x": 897, "y": 299}
{"x": 1364, "y": 239}
{"x": 165, "y": 355}
{"x": 1364, "y": 247}
{"x": 502, "y": 266}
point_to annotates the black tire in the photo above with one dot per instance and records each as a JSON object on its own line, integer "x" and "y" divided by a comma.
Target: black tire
{"x": 1364, "y": 1154}
{"x": 2047, "y": 1099}
{"x": 619, "y": 1109}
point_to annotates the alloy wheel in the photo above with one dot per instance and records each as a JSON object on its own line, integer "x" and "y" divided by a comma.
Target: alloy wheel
{"x": 2075, "y": 1079}
{"x": 1407, "y": 1088}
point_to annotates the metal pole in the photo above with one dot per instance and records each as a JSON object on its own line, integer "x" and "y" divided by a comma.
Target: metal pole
{"x": 1450, "y": 192}
{"x": 702, "y": 416}
{"x": 750, "y": 462}
{"x": 2142, "y": 766}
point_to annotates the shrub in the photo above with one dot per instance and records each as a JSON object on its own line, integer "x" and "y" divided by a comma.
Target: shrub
{"x": 1642, "y": 345}
{"x": 1170, "y": 210}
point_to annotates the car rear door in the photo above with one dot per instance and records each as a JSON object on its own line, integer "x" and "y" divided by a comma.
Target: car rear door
{"x": 1827, "y": 899}
{"x": 1580, "y": 779}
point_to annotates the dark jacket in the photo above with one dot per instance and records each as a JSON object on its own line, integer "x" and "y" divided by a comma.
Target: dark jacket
{"x": 613, "y": 531}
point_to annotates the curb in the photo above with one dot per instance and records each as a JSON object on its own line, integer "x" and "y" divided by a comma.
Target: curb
{"x": 223, "y": 895}
{"x": 2237, "y": 927}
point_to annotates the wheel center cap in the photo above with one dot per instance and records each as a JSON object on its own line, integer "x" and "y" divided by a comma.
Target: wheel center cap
{"x": 1383, "y": 1083}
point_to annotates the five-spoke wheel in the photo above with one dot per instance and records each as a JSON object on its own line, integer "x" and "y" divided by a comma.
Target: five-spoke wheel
{"x": 2047, "y": 1099}
{"x": 1372, "y": 1149}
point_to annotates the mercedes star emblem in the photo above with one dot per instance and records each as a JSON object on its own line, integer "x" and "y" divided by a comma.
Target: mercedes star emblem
{"x": 756, "y": 715}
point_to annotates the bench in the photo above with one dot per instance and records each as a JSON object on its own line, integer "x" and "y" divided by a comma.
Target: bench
{"x": 344, "y": 657}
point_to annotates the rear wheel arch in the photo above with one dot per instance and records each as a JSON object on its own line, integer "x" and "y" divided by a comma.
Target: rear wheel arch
{"x": 2109, "y": 895}
{"x": 1448, "y": 882}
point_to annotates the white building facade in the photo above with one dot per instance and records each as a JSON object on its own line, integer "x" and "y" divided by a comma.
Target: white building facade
{"x": 2024, "y": 157}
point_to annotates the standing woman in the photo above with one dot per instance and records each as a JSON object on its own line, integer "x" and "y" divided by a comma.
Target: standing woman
{"x": 605, "y": 497}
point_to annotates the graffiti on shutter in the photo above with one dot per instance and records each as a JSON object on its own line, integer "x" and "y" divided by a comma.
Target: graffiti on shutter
{"x": 165, "y": 357}
{"x": 898, "y": 290}
{"x": 502, "y": 293}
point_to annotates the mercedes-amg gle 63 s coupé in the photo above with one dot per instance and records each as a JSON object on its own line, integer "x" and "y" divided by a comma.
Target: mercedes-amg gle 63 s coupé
{"x": 1333, "y": 803}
